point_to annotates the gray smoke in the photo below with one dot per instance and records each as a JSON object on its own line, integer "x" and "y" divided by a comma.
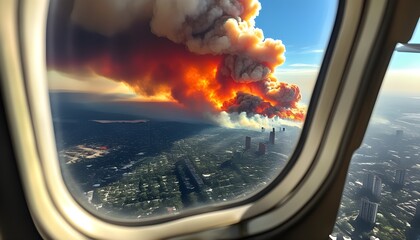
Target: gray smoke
{"x": 204, "y": 26}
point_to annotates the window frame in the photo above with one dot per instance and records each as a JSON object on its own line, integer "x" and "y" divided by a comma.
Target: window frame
{"x": 58, "y": 215}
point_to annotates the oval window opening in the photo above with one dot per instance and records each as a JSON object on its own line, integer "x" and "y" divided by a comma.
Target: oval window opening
{"x": 160, "y": 107}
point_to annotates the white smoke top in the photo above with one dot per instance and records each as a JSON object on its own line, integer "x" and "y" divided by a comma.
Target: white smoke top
{"x": 204, "y": 26}
{"x": 255, "y": 122}
{"x": 220, "y": 27}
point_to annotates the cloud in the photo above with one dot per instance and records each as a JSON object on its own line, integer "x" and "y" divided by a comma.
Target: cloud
{"x": 304, "y": 65}
{"x": 315, "y": 51}
{"x": 304, "y": 51}
{"x": 280, "y": 72}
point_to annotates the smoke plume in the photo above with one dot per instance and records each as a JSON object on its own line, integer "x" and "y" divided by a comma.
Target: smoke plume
{"x": 204, "y": 54}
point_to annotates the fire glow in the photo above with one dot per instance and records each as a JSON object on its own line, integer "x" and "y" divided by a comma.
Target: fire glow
{"x": 206, "y": 55}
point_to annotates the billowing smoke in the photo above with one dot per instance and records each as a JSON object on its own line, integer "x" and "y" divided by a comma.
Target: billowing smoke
{"x": 254, "y": 122}
{"x": 205, "y": 54}
{"x": 244, "y": 69}
{"x": 250, "y": 104}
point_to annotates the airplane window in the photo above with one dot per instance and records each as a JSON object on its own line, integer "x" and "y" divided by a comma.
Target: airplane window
{"x": 160, "y": 107}
{"x": 381, "y": 198}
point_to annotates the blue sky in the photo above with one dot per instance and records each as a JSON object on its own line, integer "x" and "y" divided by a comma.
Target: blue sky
{"x": 401, "y": 60}
{"x": 304, "y": 26}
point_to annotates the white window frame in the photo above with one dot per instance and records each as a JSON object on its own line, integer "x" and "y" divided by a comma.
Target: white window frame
{"x": 58, "y": 215}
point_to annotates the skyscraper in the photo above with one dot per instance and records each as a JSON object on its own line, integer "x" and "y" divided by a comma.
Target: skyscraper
{"x": 399, "y": 177}
{"x": 373, "y": 185}
{"x": 247, "y": 143}
{"x": 261, "y": 148}
{"x": 368, "y": 181}
{"x": 368, "y": 211}
{"x": 377, "y": 187}
{"x": 272, "y": 136}
{"x": 417, "y": 215}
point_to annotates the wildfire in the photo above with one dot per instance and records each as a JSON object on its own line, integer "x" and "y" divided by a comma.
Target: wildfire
{"x": 205, "y": 55}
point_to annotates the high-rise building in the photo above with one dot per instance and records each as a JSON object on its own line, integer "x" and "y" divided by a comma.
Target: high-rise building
{"x": 368, "y": 181}
{"x": 417, "y": 215}
{"x": 377, "y": 187}
{"x": 368, "y": 211}
{"x": 261, "y": 148}
{"x": 272, "y": 136}
{"x": 399, "y": 178}
{"x": 373, "y": 185}
{"x": 247, "y": 143}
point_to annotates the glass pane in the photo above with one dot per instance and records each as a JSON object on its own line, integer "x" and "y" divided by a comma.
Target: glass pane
{"x": 164, "y": 106}
{"x": 382, "y": 193}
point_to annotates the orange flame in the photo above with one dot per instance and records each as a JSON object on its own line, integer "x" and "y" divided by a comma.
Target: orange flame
{"x": 223, "y": 76}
